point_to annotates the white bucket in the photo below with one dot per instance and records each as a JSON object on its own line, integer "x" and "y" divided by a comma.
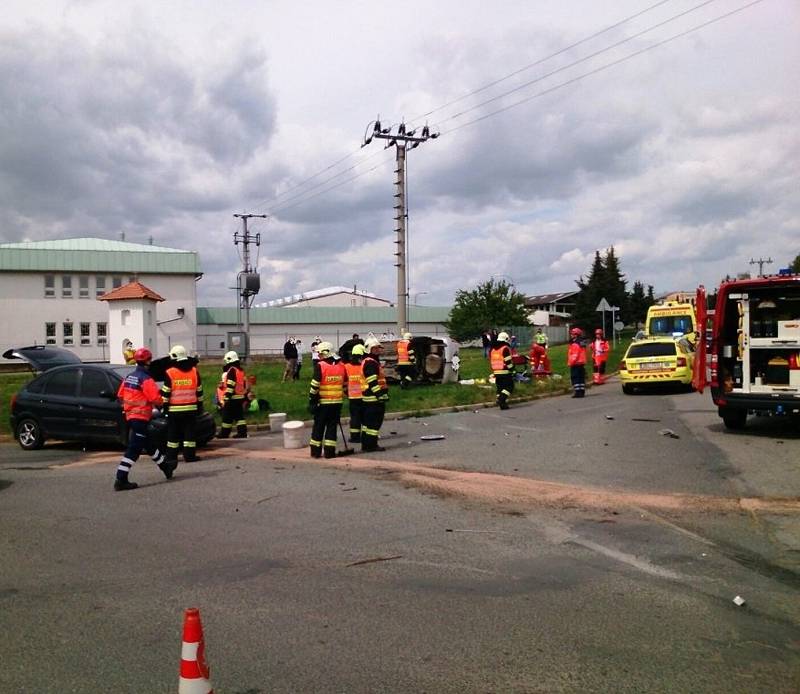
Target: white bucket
{"x": 294, "y": 435}
{"x": 276, "y": 420}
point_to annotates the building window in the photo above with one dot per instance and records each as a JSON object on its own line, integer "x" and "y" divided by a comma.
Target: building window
{"x": 83, "y": 286}
{"x": 116, "y": 282}
{"x": 67, "y": 333}
{"x": 66, "y": 286}
{"x": 50, "y": 286}
{"x": 86, "y": 333}
{"x": 149, "y": 317}
{"x": 125, "y": 316}
{"x": 102, "y": 333}
{"x": 50, "y": 333}
{"x": 100, "y": 285}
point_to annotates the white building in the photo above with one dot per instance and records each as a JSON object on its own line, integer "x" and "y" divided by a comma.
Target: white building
{"x": 49, "y": 292}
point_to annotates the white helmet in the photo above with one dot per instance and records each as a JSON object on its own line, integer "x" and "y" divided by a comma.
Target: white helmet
{"x": 325, "y": 349}
{"x": 178, "y": 353}
{"x": 371, "y": 343}
{"x": 230, "y": 357}
{"x": 407, "y": 336}
{"x": 502, "y": 337}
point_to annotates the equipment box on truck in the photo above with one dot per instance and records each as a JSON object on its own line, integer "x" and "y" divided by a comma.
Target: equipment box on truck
{"x": 751, "y": 360}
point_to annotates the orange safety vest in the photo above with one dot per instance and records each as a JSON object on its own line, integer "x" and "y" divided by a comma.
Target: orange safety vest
{"x": 138, "y": 392}
{"x": 367, "y": 393}
{"x": 183, "y": 396}
{"x": 497, "y": 361}
{"x": 402, "y": 353}
{"x": 331, "y": 386}
{"x": 240, "y": 387}
{"x": 355, "y": 381}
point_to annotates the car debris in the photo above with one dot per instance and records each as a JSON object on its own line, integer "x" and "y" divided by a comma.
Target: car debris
{"x": 375, "y": 559}
{"x": 644, "y": 419}
{"x": 432, "y": 437}
{"x": 608, "y": 416}
{"x": 739, "y": 601}
{"x": 668, "y": 432}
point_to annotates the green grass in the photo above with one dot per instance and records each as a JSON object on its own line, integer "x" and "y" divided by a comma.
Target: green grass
{"x": 292, "y": 397}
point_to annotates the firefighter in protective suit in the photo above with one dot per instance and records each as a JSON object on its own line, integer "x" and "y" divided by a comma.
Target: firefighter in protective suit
{"x": 406, "y": 361}
{"x": 183, "y": 399}
{"x": 233, "y": 399}
{"x": 355, "y": 389}
{"x": 374, "y": 396}
{"x": 139, "y": 395}
{"x": 502, "y": 368}
{"x": 325, "y": 399}
{"x": 600, "y": 350}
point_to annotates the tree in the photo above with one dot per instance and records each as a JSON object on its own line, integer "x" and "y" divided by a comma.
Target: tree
{"x": 492, "y": 304}
{"x": 795, "y": 266}
{"x": 638, "y": 303}
{"x": 605, "y": 281}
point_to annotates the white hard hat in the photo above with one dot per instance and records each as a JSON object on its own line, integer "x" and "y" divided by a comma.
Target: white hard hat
{"x": 407, "y": 336}
{"x": 230, "y": 357}
{"x": 502, "y": 337}
{"x": 371, "y": 343}
{"x": 325, "y": 348}
{"x": 178, "y": 353}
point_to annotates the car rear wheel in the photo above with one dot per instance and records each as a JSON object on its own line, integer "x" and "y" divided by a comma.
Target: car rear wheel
{"x": 30, "y": 434}
{"x": 733, "y": 419}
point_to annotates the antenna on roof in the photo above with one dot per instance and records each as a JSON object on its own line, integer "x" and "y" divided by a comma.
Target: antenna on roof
{"x": 150, "y": 240}
{"x": 121, "y": 235}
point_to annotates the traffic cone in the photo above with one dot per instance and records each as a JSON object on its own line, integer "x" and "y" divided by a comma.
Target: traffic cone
{"x": 194, "y": 669}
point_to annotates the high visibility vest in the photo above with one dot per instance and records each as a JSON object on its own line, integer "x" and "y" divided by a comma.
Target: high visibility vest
{"x": 355, "y": 381}
{"x": 240, "y": 383}
{"x": 497, "y": 361}
{"x": 139, "y": 393}
{"x": 183, "y": 393}
{"x": 403, "y": 358}
{"x": 541, "y": 339}
{"x": 379, "y": 379}
{"x": 331, "y": 384}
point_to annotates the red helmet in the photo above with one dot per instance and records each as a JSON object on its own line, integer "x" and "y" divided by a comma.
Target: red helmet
{"x": 576, "y": 332}
{"x": 142, "y": 354}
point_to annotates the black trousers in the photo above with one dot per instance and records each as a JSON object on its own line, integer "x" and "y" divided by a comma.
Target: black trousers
{"x": 372, "y": 420}
{"x": 577, "y": 375}
{"x": 233, "y": 415}
{"x": 180, "y": 431}
{"x": 407, "y": 372}
{"x": 323, "y": 433}
{"x": 356, "y": 419}
{"x": 505, "y": 386}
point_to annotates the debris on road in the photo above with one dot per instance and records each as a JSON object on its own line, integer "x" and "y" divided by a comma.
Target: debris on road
{"x": 644, "y": 419}
{"x": 739, "y": 601}
{"x": 432, "y": 437}
{"x": 668, "y": 432}
{"x": 466, "y": 530}
{"x": 375, "y": 559}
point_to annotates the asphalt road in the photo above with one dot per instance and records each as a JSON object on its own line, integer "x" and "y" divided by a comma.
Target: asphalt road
{"x": 561, "y": 546}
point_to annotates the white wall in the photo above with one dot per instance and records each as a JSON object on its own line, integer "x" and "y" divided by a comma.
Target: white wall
{"x": 24, "y": 312}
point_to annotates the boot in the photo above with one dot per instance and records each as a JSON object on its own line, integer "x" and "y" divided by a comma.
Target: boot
{"x": 167, "y": 468}
{"x": 372, "y": 449}
{"x": 124, "y": 485}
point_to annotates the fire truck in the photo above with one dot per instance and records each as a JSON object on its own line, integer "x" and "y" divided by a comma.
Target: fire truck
{"x": 750, "y": 358}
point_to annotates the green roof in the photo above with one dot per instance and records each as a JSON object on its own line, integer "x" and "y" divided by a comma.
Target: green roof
{"x": 96, "y": 255}
{"x": 322, "y": 314}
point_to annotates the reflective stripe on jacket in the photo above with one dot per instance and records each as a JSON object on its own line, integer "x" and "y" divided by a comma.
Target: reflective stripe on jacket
{"x": 182, "y": 389}
{"x": 374, "y": 380}
{"x": 331, "y": 382}
{"x": 600, "y": 350}
{"x": 139, "y": 394}
{"x": 235, "y": 384}
{"x": 500, "y": 360}
{"x": 405, "y": 355}
{"x": 355, "y": 381}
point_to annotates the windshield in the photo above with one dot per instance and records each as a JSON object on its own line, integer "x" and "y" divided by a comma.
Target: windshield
{"x": 651, "y": 349}
{"x": 669, "y": 326}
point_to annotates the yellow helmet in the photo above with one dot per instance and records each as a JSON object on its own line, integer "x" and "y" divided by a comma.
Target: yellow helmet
{"x": 230, "y": 357}
{"x": 358, "y": 350}
{"x": 178, "y": 353}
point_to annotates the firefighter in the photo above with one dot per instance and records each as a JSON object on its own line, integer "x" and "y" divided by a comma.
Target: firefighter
{"x": 139, "y": 395}
{"x": 406, "y": 361}
{"x": 325, "y": 400}
{"x": 375, "y": 395}
{"x": 183, "y": 400}
{"x": 576, "y": 359}
{"x": 355, "y": 387}
{"x": 234, "y": 397}
{"x": 503, "y": 369}
{"x": 599, "y": 357}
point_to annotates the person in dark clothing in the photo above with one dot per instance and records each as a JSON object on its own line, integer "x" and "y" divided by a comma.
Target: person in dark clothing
{"x": 290, "y": 355}
{"x": 503, "y": 369}
{"x": 374, "y": 396}
{"x": 234, "y": 398}
{"x": 325, "y": 401}
{"x": 183, "y": 399}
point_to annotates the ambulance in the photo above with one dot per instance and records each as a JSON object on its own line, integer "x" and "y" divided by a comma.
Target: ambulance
{"x": 751, "y": 357}
{"x": 671, "y": 319}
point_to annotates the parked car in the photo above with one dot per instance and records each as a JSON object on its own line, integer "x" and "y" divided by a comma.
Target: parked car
{"x": 78, "y": 402}
{"x": 656, "y": 360}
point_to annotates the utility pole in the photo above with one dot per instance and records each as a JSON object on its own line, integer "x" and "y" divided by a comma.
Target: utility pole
{"x": 761, "y": 262}
{"x": 248, "y": 282}
{"x": 402, "y": 141}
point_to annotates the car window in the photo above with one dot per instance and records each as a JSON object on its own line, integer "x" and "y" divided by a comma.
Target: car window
{"x": 651, "y": 349}
{"x": 62, "y": 383}
{"x": 92, "y": 383}
{"x": 36, "y": 385}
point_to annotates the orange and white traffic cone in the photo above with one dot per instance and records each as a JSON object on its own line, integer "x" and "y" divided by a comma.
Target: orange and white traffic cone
{"x": 194, "y": 677}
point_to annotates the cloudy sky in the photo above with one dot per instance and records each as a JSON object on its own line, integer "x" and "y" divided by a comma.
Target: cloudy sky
{"x": 564, "y": 128}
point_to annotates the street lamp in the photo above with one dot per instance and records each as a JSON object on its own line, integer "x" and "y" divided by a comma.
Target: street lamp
{"x": 416, "y": 295}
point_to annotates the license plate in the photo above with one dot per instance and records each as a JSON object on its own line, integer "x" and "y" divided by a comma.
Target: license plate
{"x": 652, "y": 366}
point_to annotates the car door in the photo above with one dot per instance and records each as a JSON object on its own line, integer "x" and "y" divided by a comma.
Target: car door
{"x": 99, "y": 413}
{"x": 57, "y": 405}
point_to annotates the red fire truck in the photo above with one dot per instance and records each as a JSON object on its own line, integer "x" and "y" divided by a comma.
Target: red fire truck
{"x": 751, "y": 357}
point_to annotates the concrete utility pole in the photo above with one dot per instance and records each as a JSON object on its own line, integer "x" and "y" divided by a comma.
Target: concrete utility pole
{"x": 248, "y": 282}
{"x": 402, "y": 141}
{"x": 761, "y": 262}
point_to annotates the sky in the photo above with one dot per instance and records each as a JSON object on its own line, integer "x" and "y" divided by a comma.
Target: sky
{"x": 664, "y": 129}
